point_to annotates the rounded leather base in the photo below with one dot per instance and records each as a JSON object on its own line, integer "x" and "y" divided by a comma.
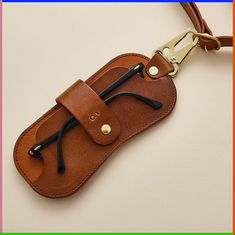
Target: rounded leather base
{"x": 82, "y": 155}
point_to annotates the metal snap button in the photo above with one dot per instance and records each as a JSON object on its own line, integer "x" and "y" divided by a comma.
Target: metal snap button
{"x": 106, "y": 129}
{"x": 153, "y": 70}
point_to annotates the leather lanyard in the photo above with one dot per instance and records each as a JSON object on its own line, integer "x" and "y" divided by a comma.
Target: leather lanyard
{"x": 206, "y": 42}
{"x": 201, "y": 35}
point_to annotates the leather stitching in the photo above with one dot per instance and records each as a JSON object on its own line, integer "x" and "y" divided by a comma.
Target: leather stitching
{"x": 57, "y": 107}
{"x": 170, "y": 107}
{"x": 92, "y": 171}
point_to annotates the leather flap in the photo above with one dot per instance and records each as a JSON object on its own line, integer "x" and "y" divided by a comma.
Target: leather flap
{"x": 92, "y": 113}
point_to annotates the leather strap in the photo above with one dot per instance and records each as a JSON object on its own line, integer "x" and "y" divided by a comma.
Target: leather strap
{"x": 202, "y": 27}
{"x": 163, "y": 67}
{"x": 90, "y": 110}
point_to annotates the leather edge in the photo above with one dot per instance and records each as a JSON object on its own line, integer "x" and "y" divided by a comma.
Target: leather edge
{"x": 56, "y": 107}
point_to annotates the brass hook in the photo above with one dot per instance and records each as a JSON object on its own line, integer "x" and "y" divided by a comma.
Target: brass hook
{"x": 176, "y": 57}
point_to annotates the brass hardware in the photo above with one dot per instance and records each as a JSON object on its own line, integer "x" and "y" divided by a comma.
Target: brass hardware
{"x": 175, "y": 57}
{"x": 210, "y": 37}
{"x": 153, "y": 70}
{"x": 106, "y": 129}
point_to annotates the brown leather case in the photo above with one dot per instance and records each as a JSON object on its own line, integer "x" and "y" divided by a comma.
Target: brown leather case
{"x": 85, "y": 148}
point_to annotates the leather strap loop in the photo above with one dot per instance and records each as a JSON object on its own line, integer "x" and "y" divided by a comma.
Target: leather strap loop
{"x": 163, "y": 67}
{"x": 202, "y": 27}
{"x": 92, "y": 113}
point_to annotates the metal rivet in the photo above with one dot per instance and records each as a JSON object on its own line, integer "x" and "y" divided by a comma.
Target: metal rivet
{"x": 153, "y": 70}
{"x": 106, "y": 129}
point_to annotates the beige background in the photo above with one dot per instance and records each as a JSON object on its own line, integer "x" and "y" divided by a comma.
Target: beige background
{"x": 174, "y": 177}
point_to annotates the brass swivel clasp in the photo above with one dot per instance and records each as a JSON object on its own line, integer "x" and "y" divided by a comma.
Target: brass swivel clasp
{"x": 175, "y": 57}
